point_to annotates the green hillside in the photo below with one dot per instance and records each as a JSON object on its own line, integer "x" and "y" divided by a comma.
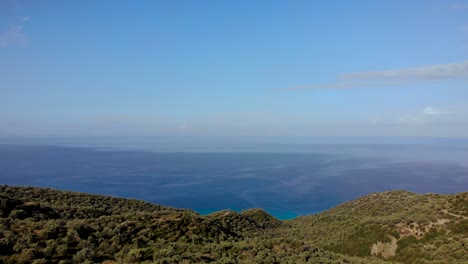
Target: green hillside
{"x": 39, "y": 225}
{"x": 396, "y": 225}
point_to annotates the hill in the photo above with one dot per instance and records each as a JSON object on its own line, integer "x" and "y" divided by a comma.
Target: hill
{"x": 39, "y": 225}
{"x": 395, "y": 225}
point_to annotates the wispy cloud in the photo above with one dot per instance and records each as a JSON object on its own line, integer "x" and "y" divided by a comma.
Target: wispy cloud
{"x": 464, "y": 29}
{"x": 396, "y": 77}
{"x": 125, "y": 119}
{"x": 427, "y": 115}
{"x": 431, "y": 72}
{"x": 413, "y": 119}
{"x": 429, "y": 110}
{"x": 459, "y": 6}
{"x": 13, "y": 36}
{"x": 348, "y": 85}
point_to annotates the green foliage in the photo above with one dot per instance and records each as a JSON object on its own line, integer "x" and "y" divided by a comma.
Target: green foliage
{"x": 360, "y": 242}
{"x": 460, "y": 227}
{"x": 40, "y": 225}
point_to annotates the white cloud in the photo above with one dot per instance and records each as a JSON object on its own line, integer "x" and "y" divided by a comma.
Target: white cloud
{"x": 430, "y": 72}
{"x": 429, "y": 110}
{"x": 13, "y": 36}
{"x": 434, "y": 111}
{"x": 428, "y": 115}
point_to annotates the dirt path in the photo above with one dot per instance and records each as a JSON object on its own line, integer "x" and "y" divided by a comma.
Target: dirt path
{"x": 460, "y": 216}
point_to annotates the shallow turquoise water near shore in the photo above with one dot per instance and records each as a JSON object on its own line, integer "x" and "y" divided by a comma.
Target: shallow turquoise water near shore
{"x": 282, "y": 215}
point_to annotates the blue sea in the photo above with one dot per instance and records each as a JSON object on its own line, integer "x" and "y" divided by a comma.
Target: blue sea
{"x": 286, "y": 177}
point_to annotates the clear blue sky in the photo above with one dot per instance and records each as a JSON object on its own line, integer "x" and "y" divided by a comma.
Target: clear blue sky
{"x": 232, "y": 68}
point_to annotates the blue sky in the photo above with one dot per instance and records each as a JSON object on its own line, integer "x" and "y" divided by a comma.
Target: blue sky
{"x": 234, "y": 68}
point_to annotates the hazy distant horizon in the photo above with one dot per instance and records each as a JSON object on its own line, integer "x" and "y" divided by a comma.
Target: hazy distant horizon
{"x": 399, "y": 148}
{"x": 286, "y": 182}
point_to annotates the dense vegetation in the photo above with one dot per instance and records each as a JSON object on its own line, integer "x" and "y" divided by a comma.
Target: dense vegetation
{"x": 427, "y": 228}
{"x": 39, "y": 225}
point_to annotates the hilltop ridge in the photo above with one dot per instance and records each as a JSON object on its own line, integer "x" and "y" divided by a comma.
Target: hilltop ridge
{"x": 40, "y": 225}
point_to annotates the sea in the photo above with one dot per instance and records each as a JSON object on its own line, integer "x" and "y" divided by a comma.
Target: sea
{"x": 287, "y": 177}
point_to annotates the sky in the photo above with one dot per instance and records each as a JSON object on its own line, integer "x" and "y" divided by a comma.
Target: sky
{"x": 234, "y": 68}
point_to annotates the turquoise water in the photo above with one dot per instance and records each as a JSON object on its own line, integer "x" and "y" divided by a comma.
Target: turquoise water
{"x": 282, "y": 215}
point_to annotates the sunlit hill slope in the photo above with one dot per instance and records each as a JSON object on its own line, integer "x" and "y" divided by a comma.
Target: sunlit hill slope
{"x": 39, "y": 225}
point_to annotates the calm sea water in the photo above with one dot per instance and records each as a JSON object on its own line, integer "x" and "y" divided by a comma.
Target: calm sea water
{"x": 286, "y": 180}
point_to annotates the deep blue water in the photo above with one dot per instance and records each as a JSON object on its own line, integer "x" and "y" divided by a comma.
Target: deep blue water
{"x": 286, "y": 184}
